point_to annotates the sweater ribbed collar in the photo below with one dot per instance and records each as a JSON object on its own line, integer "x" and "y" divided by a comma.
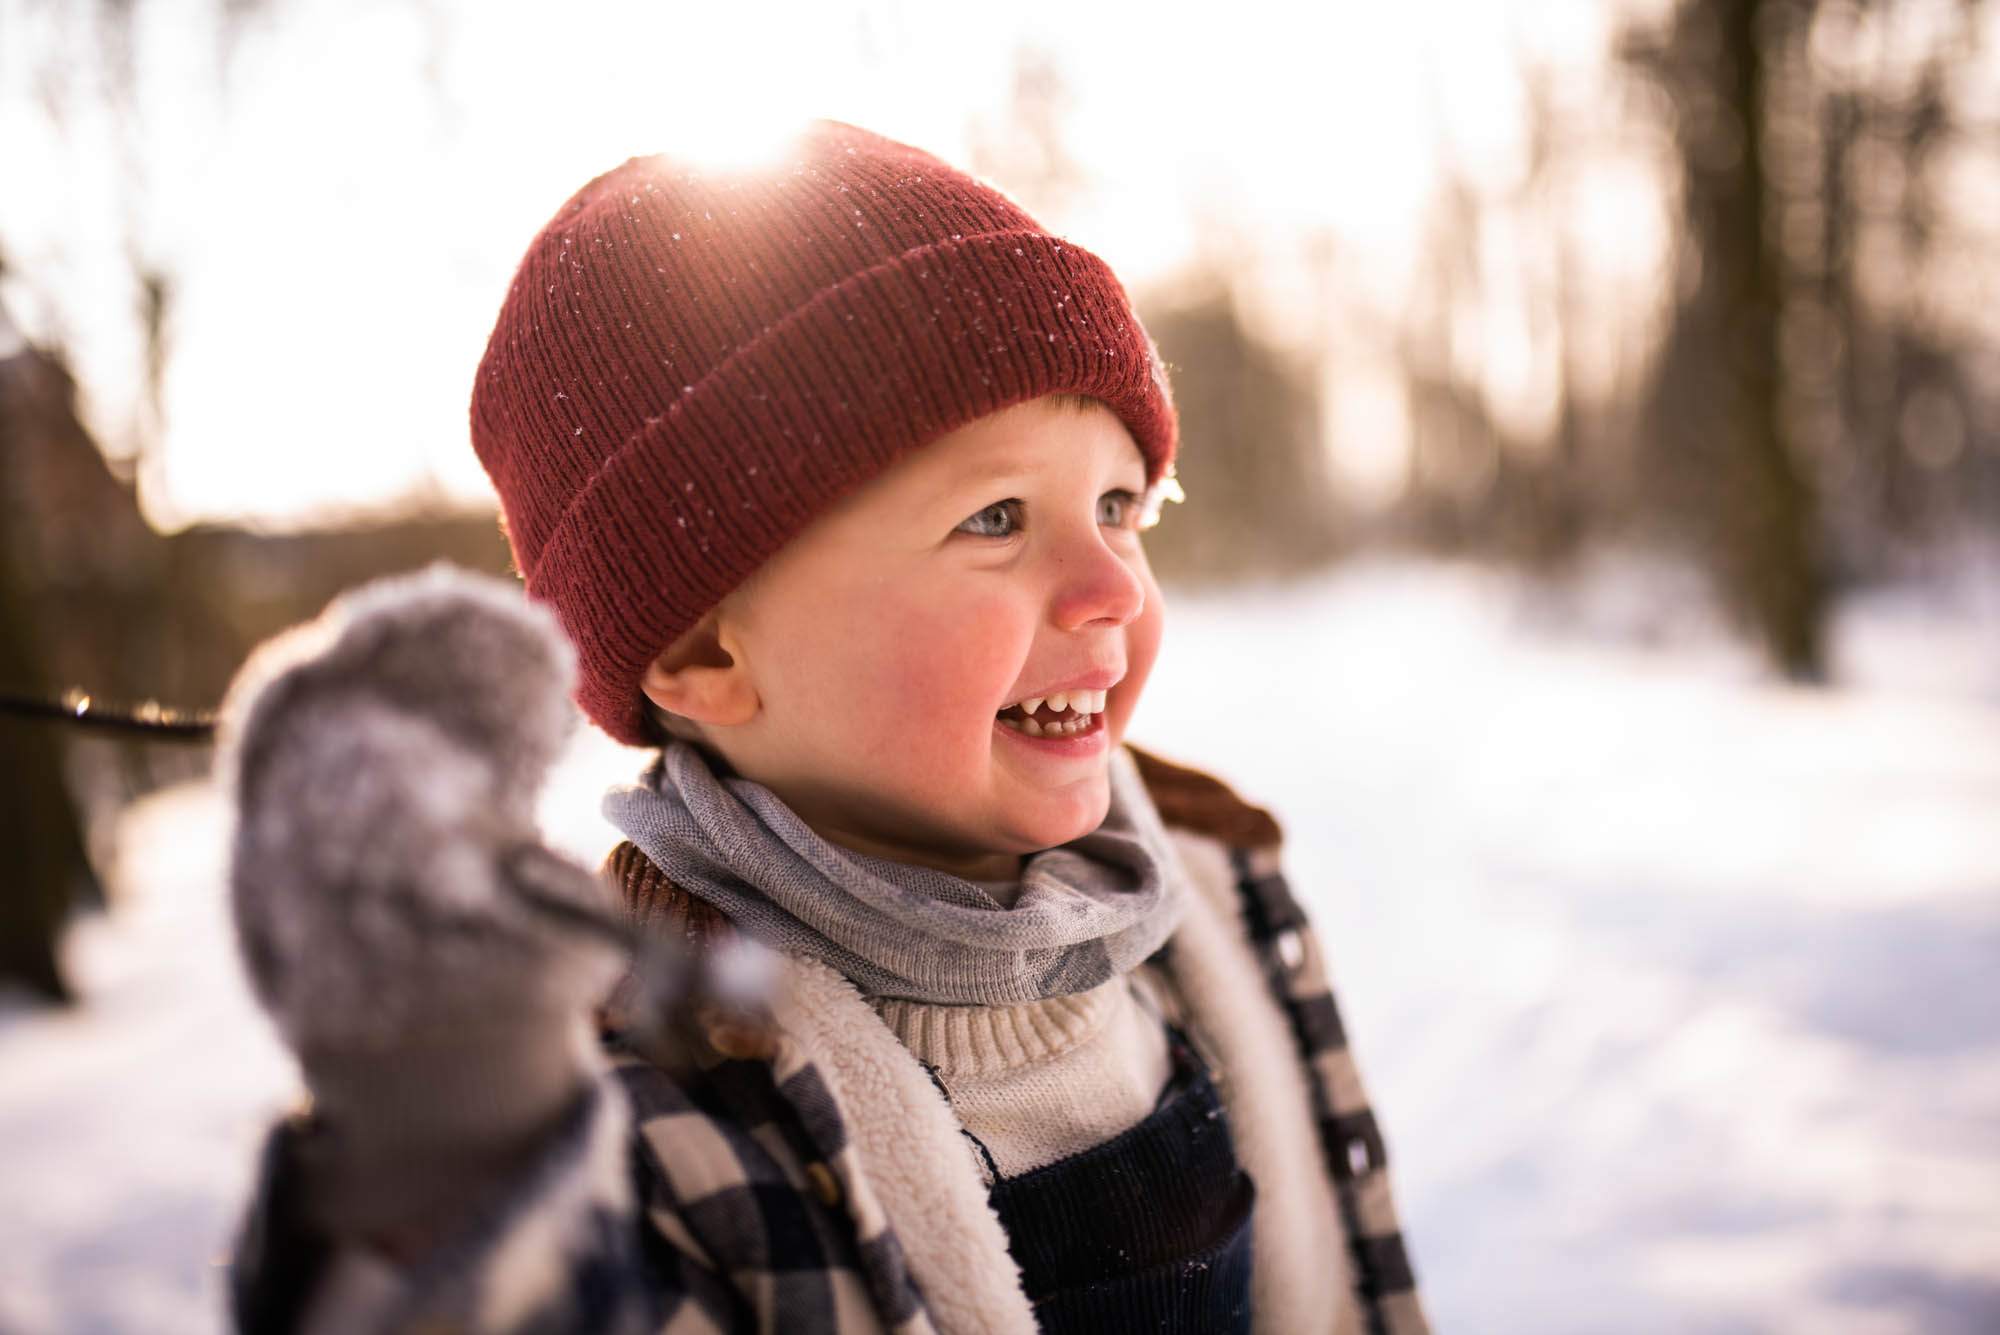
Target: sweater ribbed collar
{"x": 982, "y": 1041}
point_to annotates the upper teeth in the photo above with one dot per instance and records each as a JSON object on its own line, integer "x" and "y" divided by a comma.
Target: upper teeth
{"x": 1083, "y": 702}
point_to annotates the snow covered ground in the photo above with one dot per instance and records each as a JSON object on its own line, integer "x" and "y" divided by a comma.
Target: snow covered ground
{"x": 1678, "y": 991}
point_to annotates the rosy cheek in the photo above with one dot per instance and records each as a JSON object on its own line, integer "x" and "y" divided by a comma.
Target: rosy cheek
{"x": 957, "y": 656}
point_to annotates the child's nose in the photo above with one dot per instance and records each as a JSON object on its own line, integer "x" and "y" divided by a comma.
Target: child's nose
{"x": 1098, "y": 585}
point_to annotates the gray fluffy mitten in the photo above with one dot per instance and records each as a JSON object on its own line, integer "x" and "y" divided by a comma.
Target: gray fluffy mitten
{"x": 383, "y": 761}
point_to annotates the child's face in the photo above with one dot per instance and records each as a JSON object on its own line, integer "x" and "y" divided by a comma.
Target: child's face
{"x": 888, "y": 643}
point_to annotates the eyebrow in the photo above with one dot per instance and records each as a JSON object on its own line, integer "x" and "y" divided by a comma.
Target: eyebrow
{"x": 1004, "y": 471}
{"x": 982, "y": 477}
{"x": 959, "y": 488}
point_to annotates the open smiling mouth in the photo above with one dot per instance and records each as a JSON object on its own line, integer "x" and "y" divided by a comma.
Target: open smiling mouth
{"x": 1064, "y": 714}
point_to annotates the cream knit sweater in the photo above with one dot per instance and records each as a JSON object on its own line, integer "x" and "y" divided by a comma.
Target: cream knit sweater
{"x": 1046, "y": 1079}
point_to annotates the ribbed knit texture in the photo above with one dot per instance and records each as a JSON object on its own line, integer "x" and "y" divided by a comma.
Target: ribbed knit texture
{"x": 690, "y": 367}
{"x": 1037, "y": 1082}
{"x": 1147, "y": 1232}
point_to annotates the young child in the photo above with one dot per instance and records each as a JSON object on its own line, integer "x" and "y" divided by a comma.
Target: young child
{"x": 834, "y": 476}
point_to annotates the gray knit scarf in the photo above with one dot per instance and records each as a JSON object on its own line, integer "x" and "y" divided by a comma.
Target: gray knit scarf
{"x": 1088, "y": 910}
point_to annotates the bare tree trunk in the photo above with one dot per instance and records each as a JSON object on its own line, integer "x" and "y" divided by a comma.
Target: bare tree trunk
{"x": 43, "y": 870}
{"x": 1770, "y": 536}
{"x": 1722, "y": 469}
{"x": 51, "y": 546}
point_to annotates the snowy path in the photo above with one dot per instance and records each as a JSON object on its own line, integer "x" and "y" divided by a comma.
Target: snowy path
{"x": 1679, "y": 992}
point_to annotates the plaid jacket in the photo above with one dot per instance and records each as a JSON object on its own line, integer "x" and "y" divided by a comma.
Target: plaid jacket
{"x": 730, "y": 1195}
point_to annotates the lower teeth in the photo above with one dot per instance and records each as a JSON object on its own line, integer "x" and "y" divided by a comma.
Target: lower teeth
{"x": 1063, "y": 727}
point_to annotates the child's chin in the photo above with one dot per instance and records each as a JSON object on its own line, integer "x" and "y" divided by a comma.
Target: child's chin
{"x": 1073, "y": 821}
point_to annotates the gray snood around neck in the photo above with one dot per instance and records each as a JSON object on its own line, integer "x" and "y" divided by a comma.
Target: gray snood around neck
{"x": 1088, "y": 910}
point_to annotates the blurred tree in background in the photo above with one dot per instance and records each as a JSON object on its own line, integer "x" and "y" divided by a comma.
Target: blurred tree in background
{"x": 1253, "y": 453}
{"x": 92, "y": 599}
{"x": 1723, "y": 459}
{"x": 47, "y": 867}
{"x": 1821, "y": 407}
{"x": 1818, "y": 412}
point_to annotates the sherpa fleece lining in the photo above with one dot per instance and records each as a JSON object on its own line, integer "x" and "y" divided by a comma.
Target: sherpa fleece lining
{"x": 927, "y": 1176}
{"x": 1299, "y": 1282}
{"x": 907, "y": 1139}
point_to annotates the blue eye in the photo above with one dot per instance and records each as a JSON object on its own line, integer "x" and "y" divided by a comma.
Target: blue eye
{"x": 1117, "y": 509}
{"x": 998, "y": 520}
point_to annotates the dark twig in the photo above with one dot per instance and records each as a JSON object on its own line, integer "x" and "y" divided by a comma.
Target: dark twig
{"x": 148, "y": 718}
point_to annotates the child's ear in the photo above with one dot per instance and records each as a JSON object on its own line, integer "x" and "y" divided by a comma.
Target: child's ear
{"x": 703, "y": 676}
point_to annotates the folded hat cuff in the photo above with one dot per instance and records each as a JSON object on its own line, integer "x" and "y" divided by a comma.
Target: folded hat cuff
{"x": 877, "y": 365}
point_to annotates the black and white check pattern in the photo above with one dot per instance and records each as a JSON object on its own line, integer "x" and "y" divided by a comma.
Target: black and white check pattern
{"x": 1296, "y": 971}
{"x": 749, "y": 1177}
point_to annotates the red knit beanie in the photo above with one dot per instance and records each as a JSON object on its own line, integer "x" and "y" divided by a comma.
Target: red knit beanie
{"x": 690, "y": 367}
